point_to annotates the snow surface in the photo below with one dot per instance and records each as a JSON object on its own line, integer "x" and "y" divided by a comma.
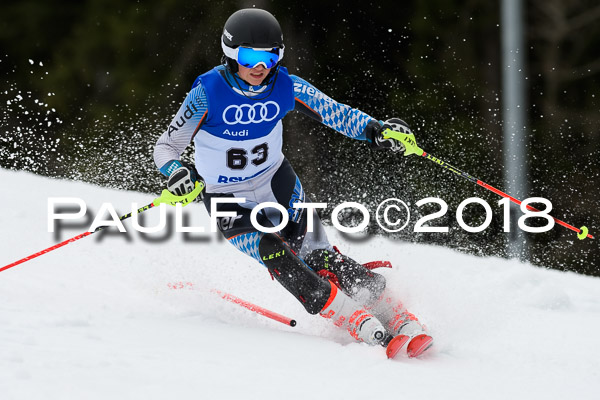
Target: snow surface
{"x": 97, "y": 320}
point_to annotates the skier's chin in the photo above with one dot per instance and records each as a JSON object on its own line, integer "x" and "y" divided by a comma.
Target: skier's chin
{"x": 256, "y": 79}
{"x": 253, "y": 76}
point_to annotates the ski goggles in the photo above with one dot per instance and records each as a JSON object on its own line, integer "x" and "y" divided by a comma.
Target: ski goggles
{"x": 250, "y": 57}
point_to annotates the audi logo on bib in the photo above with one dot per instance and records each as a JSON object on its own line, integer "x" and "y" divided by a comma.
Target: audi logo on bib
{"x": 251, "y": 113}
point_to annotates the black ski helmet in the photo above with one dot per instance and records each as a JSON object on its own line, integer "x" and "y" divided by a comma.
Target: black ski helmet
{"x": 251, "y": 27}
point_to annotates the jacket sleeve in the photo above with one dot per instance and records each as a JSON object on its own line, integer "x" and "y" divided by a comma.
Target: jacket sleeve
{"x": 186, "y": 123}
{"x": 346, "y": 120}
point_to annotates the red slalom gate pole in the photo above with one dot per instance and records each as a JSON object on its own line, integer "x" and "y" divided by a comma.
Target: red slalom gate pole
{"x": 253, "y": 307}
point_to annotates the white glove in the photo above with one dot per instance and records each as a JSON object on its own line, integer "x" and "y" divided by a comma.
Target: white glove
{"x": 182, "y": 181}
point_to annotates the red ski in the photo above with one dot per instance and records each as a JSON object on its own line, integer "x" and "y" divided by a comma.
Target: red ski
{"x": 395, "y": 345}
{"x": 417, "y": 346}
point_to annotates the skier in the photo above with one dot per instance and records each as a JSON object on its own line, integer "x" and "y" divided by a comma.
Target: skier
{"x": 233, "y": 116}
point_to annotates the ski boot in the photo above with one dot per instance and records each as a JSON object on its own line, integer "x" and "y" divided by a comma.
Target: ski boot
{"x": 361, "y": 324}
{"x": 403, "y": 328}
{"x": 367, "y": 287}
{"x": 318, "y": 295}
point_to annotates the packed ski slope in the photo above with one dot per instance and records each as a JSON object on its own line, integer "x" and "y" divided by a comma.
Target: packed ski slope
{"x": 97, "y": 319}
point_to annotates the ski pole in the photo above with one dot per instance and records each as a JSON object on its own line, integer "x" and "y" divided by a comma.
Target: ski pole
{"x": 411, "y": 148}
{"x": 236, "y": 300}
{"x": 166, "y": 197}
{"x": 253, "y": 307}
{"x": 582, "y": 232}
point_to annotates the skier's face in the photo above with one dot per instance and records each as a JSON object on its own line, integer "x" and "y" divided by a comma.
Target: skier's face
{"x": 254, "y": 76}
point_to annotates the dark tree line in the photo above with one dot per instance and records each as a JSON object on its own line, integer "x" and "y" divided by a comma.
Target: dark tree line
{"x": 88, "y": 86}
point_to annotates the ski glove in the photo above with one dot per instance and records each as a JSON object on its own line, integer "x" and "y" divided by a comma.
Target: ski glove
{"x": 183, "y": 180}
{"x": 393, "y": 134}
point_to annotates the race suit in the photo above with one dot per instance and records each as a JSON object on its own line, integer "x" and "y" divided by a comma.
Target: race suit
{"x": 237, "y": 133}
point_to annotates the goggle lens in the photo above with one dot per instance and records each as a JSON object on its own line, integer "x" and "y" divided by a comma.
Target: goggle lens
{"x": 250, "y": 58}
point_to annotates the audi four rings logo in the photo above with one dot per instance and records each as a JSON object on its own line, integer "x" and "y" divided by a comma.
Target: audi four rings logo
{"x": 251, "y": 113}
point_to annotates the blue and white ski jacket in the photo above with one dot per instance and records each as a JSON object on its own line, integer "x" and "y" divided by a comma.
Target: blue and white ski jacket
{"x": 236, "y": 128}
